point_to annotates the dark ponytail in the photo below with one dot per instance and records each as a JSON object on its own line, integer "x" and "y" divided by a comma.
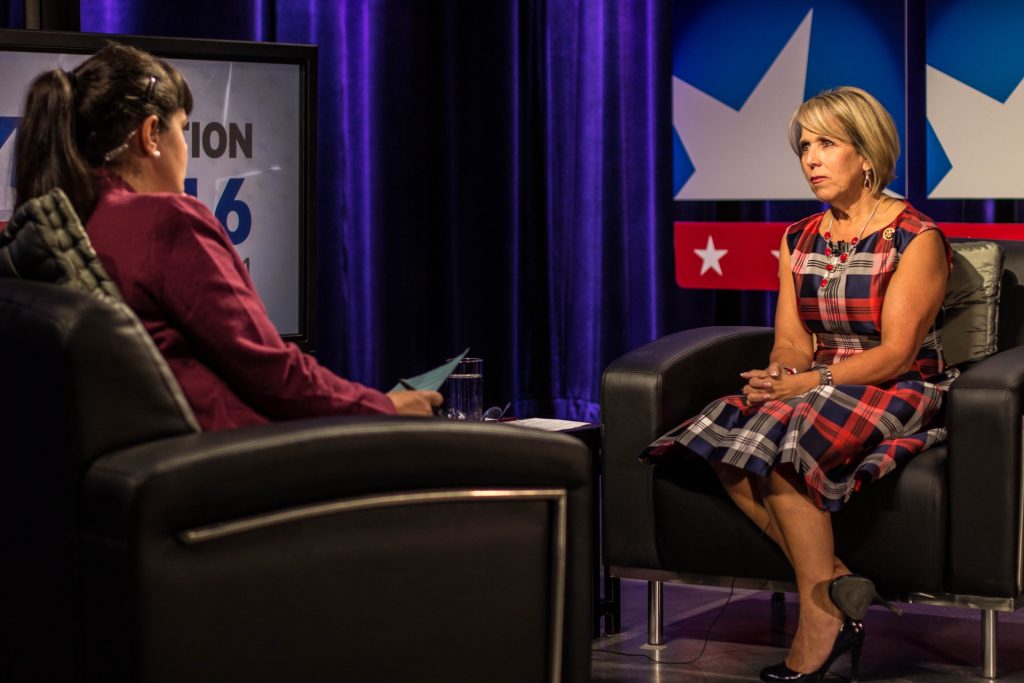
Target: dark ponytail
{"x": 79, "y": 121}
{"x": 45, "y": 152}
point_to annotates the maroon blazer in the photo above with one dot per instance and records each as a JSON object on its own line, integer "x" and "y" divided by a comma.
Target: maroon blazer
{"x": 179, "y": 272}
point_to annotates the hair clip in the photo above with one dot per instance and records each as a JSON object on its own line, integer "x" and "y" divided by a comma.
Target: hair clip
{"x": 150, "y": 89}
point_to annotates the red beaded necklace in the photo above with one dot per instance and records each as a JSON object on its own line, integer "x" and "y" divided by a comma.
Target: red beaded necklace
{"x": 836, "y": 258}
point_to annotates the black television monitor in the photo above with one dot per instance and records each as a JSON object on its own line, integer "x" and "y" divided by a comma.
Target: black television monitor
{"x": 252, "y": 148}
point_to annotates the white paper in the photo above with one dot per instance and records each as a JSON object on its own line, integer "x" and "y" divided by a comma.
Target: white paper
{"x": 548, "y": 425}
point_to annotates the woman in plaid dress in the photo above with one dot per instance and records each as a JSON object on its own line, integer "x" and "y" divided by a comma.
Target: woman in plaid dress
{"x": 855, "y": 382}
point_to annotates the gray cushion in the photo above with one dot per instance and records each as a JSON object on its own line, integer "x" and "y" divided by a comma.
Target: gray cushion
{"x": 972, "y": 302}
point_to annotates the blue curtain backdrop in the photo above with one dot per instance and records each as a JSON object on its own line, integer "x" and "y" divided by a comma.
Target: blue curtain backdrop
{"x": 491, "y": 174}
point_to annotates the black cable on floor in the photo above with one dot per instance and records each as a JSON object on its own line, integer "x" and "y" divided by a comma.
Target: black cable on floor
{"x": 707, "y": 637}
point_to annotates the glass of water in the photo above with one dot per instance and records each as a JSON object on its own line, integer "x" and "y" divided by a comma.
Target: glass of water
{"x": 465, "y": 394}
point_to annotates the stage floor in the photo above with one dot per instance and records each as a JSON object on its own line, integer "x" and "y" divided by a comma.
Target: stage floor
{"x": 742, "y": 636}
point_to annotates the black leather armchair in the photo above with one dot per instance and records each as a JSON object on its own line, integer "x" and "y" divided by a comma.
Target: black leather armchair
{"x": 946, "y": 529}
{"x": 136, "y": 548}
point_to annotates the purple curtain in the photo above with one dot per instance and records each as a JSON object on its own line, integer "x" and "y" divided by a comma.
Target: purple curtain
{"x": 491, "y": 174}
{"x": 12, "y": 13}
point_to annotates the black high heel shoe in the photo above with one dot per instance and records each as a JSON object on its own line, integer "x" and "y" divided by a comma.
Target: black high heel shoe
{"x": 853, "y": 594}
{"x": 850, "y": 639}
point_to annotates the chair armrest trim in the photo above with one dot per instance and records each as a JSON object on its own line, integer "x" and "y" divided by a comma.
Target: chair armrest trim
{"x": 213, "y": 532}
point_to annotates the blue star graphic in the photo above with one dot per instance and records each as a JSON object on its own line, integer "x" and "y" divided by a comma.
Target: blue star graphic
{"x": 724, "y": 48}
{"x": 7, "y": 126}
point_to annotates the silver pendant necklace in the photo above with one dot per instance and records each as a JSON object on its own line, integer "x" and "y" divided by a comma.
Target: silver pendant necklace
{"x": 836, "y": 258}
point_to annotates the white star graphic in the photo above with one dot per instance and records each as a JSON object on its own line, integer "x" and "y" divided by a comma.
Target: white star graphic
{"x": 775, "y": 253}
{"x": 711, "y": 258}
{"x": 6, "y": 192}
{"x": 745, "y": 154}
{"x": 983, "y": 138}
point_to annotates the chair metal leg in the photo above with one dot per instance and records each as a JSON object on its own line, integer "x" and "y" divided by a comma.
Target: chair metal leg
{"x": 612, "y": 604}
{"x": 989, "y": 641}
{"x": 655, "y": 616}
{"x": 778, "y": 619}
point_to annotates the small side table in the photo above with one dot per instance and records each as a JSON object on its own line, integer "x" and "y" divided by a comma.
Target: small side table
{"x": 606, "y": 593}
{"x": 593, "y": 436}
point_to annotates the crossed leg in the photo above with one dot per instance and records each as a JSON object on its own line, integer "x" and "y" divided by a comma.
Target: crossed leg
{"x": 808, "y": 533}
{"x": 745, "y": 491}
{"x": 780, "y": 506}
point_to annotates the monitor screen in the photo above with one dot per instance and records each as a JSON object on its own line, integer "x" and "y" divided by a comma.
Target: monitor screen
{"x": 251, "y": 139}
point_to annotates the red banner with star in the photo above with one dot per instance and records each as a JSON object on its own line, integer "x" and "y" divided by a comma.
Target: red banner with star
{"x": 711, "y": 255}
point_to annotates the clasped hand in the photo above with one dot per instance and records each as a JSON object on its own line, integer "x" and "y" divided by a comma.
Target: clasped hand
{"x": 773, "y": 384}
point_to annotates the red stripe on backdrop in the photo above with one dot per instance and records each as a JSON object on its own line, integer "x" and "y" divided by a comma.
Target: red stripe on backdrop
{"x": 745, "y": 255}
{"x": 985, "y": 231}
{"x": 728, "y": 255}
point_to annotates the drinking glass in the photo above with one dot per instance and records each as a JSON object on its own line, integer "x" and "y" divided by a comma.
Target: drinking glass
{"x": 465, "y": 394}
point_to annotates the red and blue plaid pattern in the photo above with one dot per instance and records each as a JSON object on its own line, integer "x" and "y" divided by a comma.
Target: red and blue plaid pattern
{"x": 846, "y": 315}
{"x": 836, "y": 437}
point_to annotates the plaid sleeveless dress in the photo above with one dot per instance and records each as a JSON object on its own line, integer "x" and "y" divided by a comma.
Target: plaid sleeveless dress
{"x": 843, "y": 436}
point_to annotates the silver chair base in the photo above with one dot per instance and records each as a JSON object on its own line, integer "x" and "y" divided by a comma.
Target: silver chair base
{"x": 989, "y": 607}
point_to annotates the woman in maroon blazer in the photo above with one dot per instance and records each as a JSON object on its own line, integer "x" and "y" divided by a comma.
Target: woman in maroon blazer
{"x": 110, "y": 133}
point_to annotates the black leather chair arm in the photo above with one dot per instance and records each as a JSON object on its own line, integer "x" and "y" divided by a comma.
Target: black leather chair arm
{"x": 174, "y": 484}
{"x": 326, "y": 573}
{"x": 644, "y": 394}
{"x": 984, "y": 418}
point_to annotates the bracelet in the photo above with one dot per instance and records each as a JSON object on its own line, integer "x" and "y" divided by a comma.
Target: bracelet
{"x": 791, "y": 371}
{"x": 825, "y": 376}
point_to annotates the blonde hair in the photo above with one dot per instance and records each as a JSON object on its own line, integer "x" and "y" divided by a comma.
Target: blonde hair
{"x": 853, "y": 116}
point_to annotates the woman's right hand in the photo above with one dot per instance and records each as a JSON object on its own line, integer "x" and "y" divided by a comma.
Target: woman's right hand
{"x": 415, "y": 402}
{"x": 759, "y": 383}
{"x": 774, "y": 383}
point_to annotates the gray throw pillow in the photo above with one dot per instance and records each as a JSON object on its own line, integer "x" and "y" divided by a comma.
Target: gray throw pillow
{"x": 972, "y": 302}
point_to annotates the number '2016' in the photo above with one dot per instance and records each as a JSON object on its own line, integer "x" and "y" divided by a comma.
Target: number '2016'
{"x": 228, "y": 204}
